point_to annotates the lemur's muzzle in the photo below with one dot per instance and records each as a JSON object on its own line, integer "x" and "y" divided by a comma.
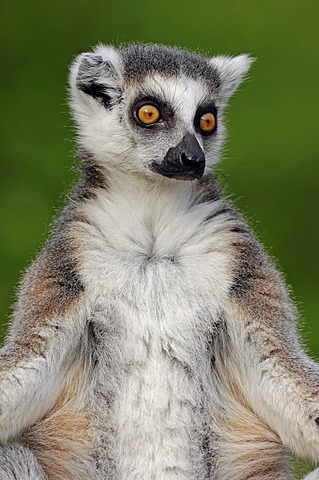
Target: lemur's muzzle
{"x": 186, "y": 161}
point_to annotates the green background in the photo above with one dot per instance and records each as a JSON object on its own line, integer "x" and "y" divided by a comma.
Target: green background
{"x": 270, "y": 166}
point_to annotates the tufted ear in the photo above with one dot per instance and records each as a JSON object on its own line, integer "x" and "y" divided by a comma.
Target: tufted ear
{"x": 98, "y": 75}
{"x": 231, "y": 71}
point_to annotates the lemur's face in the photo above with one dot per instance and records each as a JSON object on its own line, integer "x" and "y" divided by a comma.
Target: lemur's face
{"x": 172, "y": 123}
{"x": 153, "y": 110}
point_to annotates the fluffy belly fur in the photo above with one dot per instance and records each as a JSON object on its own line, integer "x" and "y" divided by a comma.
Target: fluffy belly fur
{"x": 154, "y": 387}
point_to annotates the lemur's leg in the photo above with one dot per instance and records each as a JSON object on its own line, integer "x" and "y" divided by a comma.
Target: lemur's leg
{"x": 18, "y": 462}
{"x": 247, "y": 448}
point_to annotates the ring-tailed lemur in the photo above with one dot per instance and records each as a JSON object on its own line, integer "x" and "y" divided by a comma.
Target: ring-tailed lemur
{"x": 153, "y": 338}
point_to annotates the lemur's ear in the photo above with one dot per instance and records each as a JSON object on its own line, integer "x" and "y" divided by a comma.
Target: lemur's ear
{"x": 231, "y": 71}
{"x": 98, "y": 75}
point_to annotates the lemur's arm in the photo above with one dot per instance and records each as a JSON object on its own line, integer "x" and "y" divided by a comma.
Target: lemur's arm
{"x": 41, "y": 349}
{"x": 276, "y": 378}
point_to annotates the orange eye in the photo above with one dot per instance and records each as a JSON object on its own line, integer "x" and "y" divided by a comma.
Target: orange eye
{"x": 148, "y": 114}
{"x": 207, "y": 122}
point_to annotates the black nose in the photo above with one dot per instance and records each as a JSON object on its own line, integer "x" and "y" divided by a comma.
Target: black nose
{"x": 186, "y": 161}
{"x": 192, "y": 157}
{"x": 192, "y": 161}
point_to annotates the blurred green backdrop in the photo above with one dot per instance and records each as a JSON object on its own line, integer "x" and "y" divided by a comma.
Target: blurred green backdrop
{"x": 270, "y": 164}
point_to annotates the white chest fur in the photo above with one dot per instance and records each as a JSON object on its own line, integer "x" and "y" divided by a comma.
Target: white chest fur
{"x": 159, "y": 276}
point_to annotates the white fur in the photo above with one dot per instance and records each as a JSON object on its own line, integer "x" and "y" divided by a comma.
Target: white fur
{"x": 159, "y": 323}
{"x": 232, "y": 71}
{"x": 313, "y": 475}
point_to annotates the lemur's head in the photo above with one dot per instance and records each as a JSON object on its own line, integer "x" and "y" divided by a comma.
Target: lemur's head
{"x": 151, "y": 109}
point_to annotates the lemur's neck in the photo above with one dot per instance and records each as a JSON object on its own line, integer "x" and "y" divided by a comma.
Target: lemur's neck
{"x": 144, "y": 218}
{"x": 149, "y": 193}
{"x": 118, "y": 183}
{"x": 143, "y": 195}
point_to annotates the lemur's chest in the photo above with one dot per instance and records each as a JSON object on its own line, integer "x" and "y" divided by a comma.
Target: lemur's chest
{"x": 153, "y": 313}
{"x": 158, "y": 289}
{"x": 157, "y": 259}
{"x": 158, "y": 280}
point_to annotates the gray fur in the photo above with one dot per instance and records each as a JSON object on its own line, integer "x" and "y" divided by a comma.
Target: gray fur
{"x": 17, "y": 462}
{"x": 142, "y": 60}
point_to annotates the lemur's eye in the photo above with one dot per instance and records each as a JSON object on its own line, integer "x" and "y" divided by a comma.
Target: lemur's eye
{"x": 148, "y": 114}
{"x": 207, "y": 122}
